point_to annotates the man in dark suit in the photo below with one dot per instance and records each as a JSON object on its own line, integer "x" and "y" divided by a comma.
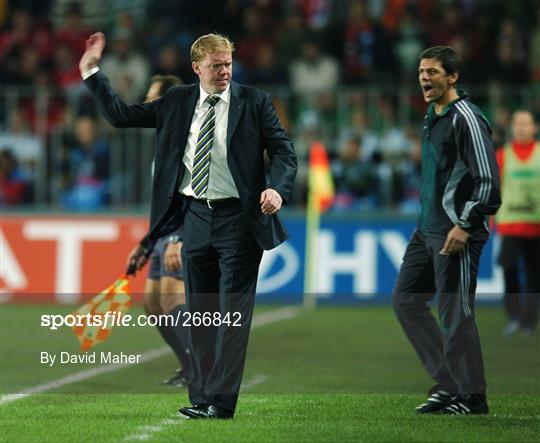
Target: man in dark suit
{"x": 210, "y": 176}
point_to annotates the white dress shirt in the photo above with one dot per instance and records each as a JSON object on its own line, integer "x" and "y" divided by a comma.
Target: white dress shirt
{"x": 220, "y": 181}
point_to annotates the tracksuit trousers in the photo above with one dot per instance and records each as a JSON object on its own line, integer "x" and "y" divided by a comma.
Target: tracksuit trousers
{"x": 450, "y": 349}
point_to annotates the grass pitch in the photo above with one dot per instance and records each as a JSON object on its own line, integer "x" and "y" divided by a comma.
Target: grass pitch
{"x": 333, "y": 374}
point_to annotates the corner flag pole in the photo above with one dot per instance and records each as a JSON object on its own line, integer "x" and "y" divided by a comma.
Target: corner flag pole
{"x": 313, "y": 218}
{"x": 320, "y": 198}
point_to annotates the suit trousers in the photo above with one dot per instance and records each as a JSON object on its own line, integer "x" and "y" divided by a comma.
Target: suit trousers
{"x": 450, "y": 351}
{"x": 221, "y": 261}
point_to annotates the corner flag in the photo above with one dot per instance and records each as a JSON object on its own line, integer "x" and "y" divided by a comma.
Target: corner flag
{"x": 115, "y": 298}
{"x": 320, "y": 198}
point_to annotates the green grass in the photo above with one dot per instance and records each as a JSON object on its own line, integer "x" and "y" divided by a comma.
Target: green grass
{"x": 334, "y": 374}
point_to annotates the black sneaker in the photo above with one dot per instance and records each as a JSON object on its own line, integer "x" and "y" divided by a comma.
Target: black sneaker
{"x": 178, "y": 379}
{"x": 436, "y": 402}
{"x": 461, "y": 406}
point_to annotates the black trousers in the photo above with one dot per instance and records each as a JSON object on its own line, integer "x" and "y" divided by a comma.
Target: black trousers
{"x": 451, "y": 351}
{"x": 221, "y": 261}
{"x": 515, "y": 253}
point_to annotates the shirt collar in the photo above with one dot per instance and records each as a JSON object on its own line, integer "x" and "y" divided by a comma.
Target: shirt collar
{"x": 225, "y": 95}
{"x": 431, "y": 109}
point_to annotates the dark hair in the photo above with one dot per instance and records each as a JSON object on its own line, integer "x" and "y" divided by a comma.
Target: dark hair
{"x": 449, "y": 59}
{"x": 167, "y": 82}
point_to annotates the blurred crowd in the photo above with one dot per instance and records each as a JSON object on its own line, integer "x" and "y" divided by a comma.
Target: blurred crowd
{"x": 341, "y": 71}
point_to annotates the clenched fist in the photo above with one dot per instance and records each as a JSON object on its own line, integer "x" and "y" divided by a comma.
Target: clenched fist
{"x": 271, "y": 201}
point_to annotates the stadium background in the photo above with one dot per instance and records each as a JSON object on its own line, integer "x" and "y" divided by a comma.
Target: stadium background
{"x": 343, "y": 72}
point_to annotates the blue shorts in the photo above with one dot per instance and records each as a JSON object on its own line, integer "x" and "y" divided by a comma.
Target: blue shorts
{"x": 157, "y": 263}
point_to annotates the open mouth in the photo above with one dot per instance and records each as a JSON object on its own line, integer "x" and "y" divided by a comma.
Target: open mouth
{"x": 427, "y": 88}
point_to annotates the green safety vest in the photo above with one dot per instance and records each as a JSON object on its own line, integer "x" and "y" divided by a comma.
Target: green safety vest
{"x": 520, "y": 188}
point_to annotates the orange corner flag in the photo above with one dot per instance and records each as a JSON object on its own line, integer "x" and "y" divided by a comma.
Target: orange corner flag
{"x": 115, "y": 298}
{"x": 321, "y": 185}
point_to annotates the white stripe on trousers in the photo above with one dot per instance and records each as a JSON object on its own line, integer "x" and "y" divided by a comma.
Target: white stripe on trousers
{"x": 465, "y": 279}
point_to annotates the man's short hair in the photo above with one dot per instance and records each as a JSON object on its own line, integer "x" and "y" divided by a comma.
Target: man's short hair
{"x": 209, "y": 44}
{"x": 449, "y": 58}
{"x": 166, "y": 82}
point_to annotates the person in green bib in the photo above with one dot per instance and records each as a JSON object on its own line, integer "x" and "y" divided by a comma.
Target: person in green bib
{"x": 459, "y": 190}
{"x": 518, "y": 223}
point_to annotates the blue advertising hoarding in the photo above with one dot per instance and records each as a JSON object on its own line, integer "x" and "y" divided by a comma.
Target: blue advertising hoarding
{"x": 356, "y": 261}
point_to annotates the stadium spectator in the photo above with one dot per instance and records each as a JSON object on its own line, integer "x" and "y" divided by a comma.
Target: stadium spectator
{"x": 73, "y": 30}
{"x": 86, "y": 168}
{"x": 24, "y": 32}
{"x": 15, "y": 187}
{"x": 66, "y": 75}
{"x": 518, "y": 223}
{"x": 290, "y": 34}
{"x": 361, "y": 125}
{"x": 444, "y": 251}
{"x": 254, "y": 36}
{"x": 314, "y": 72}
{"x": 408, "y": 179}
{"x": 409, "y": 43}
{"x": 449, "y": 25}
{"x": 127, "y": 69}
{"x": 509, "y": 66}
{"x": 171, "y": 62}
{"x": 368, "y": 51}
{"x": 266, "y": 71}
{"x": 534, "y": 52}
{"x": 27, "y": 148}
{"x": 355, "y": 179}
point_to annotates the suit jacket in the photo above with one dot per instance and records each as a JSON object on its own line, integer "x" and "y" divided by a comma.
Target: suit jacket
{"x": 253, "y": 126}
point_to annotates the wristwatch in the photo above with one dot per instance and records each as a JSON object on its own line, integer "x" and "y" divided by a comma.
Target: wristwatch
{"x": 174, "y": 239}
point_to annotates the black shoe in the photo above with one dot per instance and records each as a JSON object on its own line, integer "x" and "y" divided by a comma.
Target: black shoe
{"x": 206, "y": 412}
{"x": 196, "y": 411}
{"x": 435, "y": 403}
{"x": 178, "y": 379}
{"x": 461, "y": 406}
{"x": 215, "y": 412}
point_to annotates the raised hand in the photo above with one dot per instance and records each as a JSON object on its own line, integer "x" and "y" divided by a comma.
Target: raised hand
{"x": 93, "y": 52}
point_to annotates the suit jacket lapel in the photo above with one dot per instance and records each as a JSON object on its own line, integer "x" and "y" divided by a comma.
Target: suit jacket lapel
{"x": 186, "y": 113}
{"x": 186, "y": 110}
{"x": 235, "y": 110}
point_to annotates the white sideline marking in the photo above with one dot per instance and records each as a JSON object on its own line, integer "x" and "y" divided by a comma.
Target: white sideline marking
{"x": 275, "y": 315}
{"x": 146, "y": 432}
{"x": 516, "y": 417}
{"x": 259, "y": 320}
{"x": 82, "y": 375}
{"x": 256, "y": 380}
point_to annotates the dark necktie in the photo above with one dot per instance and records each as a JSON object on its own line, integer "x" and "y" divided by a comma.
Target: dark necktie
{"x": 203, "y": 150}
